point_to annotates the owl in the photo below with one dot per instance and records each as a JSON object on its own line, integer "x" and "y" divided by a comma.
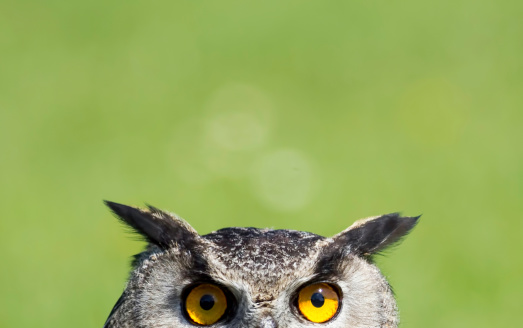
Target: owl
{"x": 256, "y": 278}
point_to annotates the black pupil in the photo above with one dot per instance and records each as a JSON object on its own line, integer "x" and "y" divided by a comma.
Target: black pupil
{"x": 317, "y": 300}
{"x": 206, "y": 302}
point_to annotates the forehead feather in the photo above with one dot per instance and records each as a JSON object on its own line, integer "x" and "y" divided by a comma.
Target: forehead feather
{"x": 263, "y": 242}
{"x": 264, "y": 259}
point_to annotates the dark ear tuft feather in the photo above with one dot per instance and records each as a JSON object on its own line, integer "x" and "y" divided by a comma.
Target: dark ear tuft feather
{"x": 369, "y": 236}
{"x": 159, "y": 227}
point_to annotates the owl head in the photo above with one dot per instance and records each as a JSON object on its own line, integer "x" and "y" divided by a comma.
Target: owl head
{"x": 256, "y": 278}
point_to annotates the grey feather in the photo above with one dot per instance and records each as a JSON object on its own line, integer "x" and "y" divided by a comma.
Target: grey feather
{"x": 261, "y": 271}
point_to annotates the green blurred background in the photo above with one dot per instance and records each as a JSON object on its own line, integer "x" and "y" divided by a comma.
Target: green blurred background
{"x": 285, "y": 114}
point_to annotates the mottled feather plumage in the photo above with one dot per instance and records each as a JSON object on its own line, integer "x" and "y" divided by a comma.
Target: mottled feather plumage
{"x": 262, "y": 269}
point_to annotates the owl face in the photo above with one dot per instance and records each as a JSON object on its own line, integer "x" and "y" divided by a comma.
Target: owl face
{"x": 263, "y": 278}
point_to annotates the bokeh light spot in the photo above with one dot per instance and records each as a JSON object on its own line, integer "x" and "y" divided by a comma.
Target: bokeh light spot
{"x": 284, "y": 180}
{"x": 239, "y": 117}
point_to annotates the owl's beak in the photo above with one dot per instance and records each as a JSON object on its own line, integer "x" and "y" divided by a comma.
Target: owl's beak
{"x": 268, "y": 322}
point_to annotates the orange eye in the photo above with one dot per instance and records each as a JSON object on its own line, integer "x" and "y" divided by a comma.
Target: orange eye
{"x": 206, "y": 304}
{"x": 318, "y": 302}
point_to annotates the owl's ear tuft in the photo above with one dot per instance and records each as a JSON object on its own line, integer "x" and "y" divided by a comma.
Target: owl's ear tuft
{"x": 369, "y": 236}
{"x": 158, "y": 227}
